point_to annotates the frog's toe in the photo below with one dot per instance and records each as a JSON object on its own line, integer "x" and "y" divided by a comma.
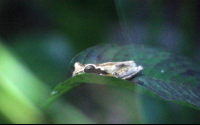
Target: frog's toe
{"x": 115, "y": 74}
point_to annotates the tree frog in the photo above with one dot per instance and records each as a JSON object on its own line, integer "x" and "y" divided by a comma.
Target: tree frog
{"x": 123, "y": 70}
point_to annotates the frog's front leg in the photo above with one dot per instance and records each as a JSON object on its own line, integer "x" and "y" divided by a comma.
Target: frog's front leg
{"x": 127, "y": 72}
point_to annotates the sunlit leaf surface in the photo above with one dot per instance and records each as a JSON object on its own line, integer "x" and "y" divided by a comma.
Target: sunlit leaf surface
{"x": 167, "y": 75}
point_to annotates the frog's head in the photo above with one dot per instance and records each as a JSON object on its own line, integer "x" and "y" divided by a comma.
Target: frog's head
{"x": 86, "y": 68}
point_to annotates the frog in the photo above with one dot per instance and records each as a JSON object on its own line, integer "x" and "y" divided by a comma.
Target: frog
{"x": 124, "y": 70}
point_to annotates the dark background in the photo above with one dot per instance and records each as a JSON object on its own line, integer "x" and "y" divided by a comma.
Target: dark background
{"x": 38, "y": 38}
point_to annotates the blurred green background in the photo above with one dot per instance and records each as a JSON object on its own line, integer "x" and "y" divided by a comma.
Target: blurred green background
{"x": 38, "y": 38}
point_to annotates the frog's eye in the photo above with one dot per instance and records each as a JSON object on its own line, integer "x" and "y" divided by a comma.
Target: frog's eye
{"x": 89, "y": 69}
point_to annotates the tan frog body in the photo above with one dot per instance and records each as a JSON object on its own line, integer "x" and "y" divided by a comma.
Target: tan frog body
{"x": 123, "y": 70}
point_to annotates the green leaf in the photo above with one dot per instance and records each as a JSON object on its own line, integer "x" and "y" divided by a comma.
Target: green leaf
{"x": 80, "y": 80}
{"x": 167, "y": 75}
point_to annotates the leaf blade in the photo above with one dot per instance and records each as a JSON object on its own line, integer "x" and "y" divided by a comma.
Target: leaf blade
{"x": 167, "y": 75}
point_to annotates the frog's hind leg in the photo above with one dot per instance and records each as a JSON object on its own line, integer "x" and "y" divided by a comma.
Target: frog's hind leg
{"x": 125, "y": 63}
{"x": 128, "y": 72}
